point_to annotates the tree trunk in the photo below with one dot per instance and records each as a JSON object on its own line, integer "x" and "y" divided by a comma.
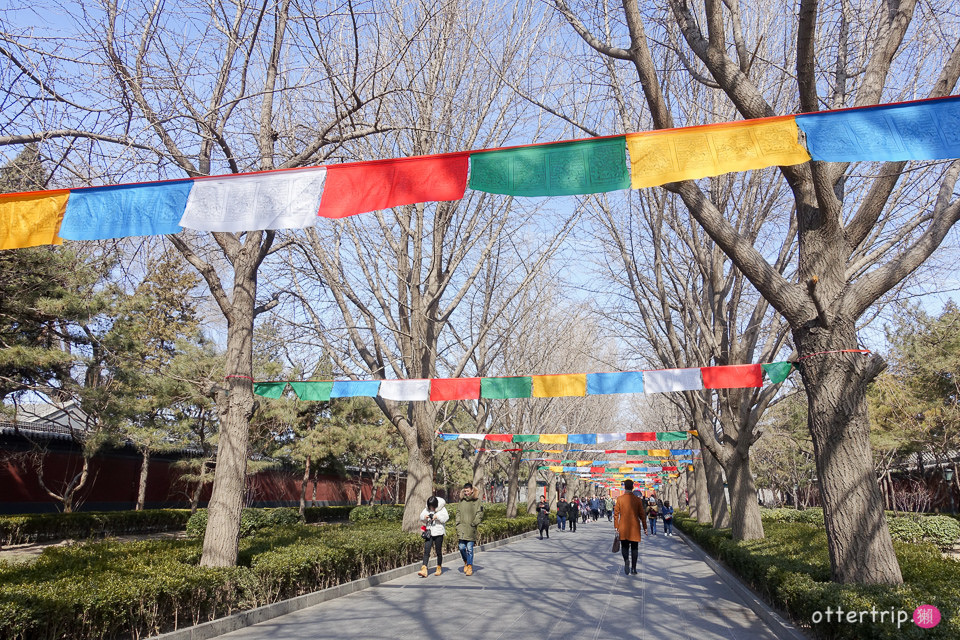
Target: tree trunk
{"x": 303, "y": 486}
{"x": 513, "y": 482}
{"x": 144, "y": 470}
{"x": 235, "y": 406}
{"x": 195, "y": 498}
{"x": 552, "y": 490}
{"x": 718, "y": 499}
{"x": 699, "y": 498}
{"x": 745, "y": 521}
{"x": 419, "y": 442}
{"x": 861, "y": 550}
{"x": 532, "y": 497}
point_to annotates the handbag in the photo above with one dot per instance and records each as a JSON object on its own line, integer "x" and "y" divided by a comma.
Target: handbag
{"x": 616, "y": 543}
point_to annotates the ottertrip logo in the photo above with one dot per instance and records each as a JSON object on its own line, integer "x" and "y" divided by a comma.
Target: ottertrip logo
{"x": 925, "y": 616}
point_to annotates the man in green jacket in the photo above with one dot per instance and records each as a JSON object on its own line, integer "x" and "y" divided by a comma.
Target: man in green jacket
{"x": 469, "y": 515}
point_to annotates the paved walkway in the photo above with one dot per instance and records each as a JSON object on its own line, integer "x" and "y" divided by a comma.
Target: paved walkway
{"x": 569, "y": 586}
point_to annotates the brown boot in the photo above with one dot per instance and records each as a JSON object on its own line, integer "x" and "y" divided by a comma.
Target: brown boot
{"x": 468, "y": 570}
{"x": 423, "y": 571}
{"x": 439, "y": 570}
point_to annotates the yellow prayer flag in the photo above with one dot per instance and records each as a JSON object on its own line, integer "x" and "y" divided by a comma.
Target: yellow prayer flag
{"x": 556, "y": 469}
{"x": 553, "y": 438}
{"x": 671, "y": 155}
{"x": 626, "y": 469}
{"x": 584, "y": 463}
{"x": 660, "y": 453}
{"x": 553, "y": 451}
{"x": 570, "y": 384}
{"x": 31, "y": 219}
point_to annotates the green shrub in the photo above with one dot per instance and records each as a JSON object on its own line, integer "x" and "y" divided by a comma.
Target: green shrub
{"x": 118, "y": 589}
{"x": 791, "y": 568}
{"x": 42, "y": 527}
{"x": 942, "y": 531}
{"x": 905, "y": 529}
{"x": 331, "y": 512}
{"x": 387, "y": 512}
{"x": 251, "y": 520}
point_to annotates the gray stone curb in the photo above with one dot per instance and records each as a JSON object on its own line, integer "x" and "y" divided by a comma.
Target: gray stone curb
{"x": 777, "y": 624}
{"x": 243, "y": 619}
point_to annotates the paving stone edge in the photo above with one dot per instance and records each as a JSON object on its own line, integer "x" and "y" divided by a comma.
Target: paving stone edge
{"x": 243, "y": 619}
{"x": 783, "y": 629}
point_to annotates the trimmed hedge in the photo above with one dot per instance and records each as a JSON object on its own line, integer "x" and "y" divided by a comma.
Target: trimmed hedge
{"x": 42, "y": 527}
{"x": 331, "y": 512}
{"x": 791, "y": 568}
{"x": 115, "y": 589}
{"x": 251, "y": 520}
{"x": 941, "y": 530}
{"x": 372, "y": 512}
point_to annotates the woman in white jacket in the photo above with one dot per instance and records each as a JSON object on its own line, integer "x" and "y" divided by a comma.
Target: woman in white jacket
{"x": 433, "y": 531}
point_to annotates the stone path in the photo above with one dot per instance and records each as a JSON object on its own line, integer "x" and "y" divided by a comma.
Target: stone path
{"x": 569, "y": 586}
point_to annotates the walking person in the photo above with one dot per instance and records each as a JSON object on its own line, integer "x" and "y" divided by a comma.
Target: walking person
{"x": 573, "y": 513}
{"x": 608, "y": 507}
{"x": 469, "y": 515}
{"x": 628, "y": 518}
{"x": 585, "y": 509}
{"x": 667, "y": 514}
{"x": 433, "y": 531}
{"x": 562, "y": 514}
{"x": 594, "y": 508}
{"x": 652, "y": 517}
{"x": 543, "y": 517}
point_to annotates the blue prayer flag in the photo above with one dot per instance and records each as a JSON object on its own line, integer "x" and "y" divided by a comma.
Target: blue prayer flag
{"x": 926, "y": 130}
{"x": 582, "y": 438}
{"x": 101, "y": 213}
{"x": 608, "y": 383}
{"x": 355, "y": 388}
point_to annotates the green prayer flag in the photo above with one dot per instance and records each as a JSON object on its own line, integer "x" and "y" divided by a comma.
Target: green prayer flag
{"x": 269, "y": 389}
{"x": 636, "y": 452}
{"x": 777, "y": 372}
{"x": 568, "y": 168}
{"x": 526, "y": 437}
{"x": 514, "y": 387}
{"x": 543, "y": 468}
{"x": 671, "y": 436}
{"x": 313, "y": 390}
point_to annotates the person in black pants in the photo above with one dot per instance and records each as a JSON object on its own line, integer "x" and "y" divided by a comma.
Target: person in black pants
{"x": 433, "y": 531}
{"x": 543, "y": 517}
{"x": 573, "y": 514}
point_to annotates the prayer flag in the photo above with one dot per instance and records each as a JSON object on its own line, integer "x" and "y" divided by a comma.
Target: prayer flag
{"x": 681, "y": 452}
{"x": 526, "y": 437}
{"x": 610, "y": 437}
{"x": 355, "y": 388}
{"x": 31, "y": 219}
{"x": 454, "y": 389}
{"x": 609, "y": 383}
{"x": 671, "y": 155}
{"x": 472, "y": 436}
{"x": 658, "y": 452}
{"x": 269, "y": 200}
{"x": 313, "y": 390}
{"x": 381, "y": 184}
{"x": 566, "y": 168}
{"x": 556, "y": 469}
{"x": 405, "y": 390}
{"x": 666, "y": 380}
{"x": 640, "y": 436}
{"x": 923, "y": 130}
{"x": 553, "y": 438}
{"x": 449, "y": 436}
{"x": 510, "y": 387}
{"x": 732, "y": 377}
{"x": 556, "y": 386}
{"x": 672, "y": 436}
{"x": 582, "y": 438}
{"x": 777, "y": 372}
{"x": 584, "y": 463}
{"x": 269, "y": 389}
{"x": 148, "y": 209}
{"x": 596, "y": 469}
{"x": 499, "y": 437}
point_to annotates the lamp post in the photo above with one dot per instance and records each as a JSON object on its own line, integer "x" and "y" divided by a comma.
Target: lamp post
{"x": 948, "y": 476}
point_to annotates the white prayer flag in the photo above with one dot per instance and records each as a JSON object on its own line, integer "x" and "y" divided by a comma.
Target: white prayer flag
{"x": 276, "y": 200}
{"x": 610, "y": 437}
{"x": 666, "y": 380}
{"x": 405, "y": 390}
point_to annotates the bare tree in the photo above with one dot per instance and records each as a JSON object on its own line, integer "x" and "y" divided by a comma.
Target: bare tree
{"x": 857, "y": 236}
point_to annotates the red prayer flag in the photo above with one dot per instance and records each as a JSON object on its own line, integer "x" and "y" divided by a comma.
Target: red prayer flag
{"x": 669, "y": 468}
{"x": 596, "y": 469}
{"x": 498, "y": 437}
{"x": 733, "y": 377}
{"x": 615, "y": 451}
{"x": 455, "y": 389}
{"x": 359, "y": 187}
{"x": 641, "y": 436}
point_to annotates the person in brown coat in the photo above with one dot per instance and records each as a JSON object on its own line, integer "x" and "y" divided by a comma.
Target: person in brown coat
{"x": 628, "y": 517}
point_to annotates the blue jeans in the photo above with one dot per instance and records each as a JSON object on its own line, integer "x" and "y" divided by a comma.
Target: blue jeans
{"x": 562, "y": 522}
{"x": 668, "y": 526}
{"x": 466, "y": 551}
{"x": 653, "y": 525}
